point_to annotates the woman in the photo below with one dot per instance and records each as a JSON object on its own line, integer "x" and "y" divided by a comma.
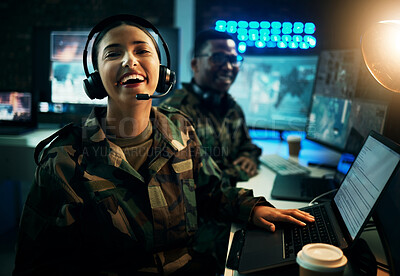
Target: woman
{"x": 124, "y": 193}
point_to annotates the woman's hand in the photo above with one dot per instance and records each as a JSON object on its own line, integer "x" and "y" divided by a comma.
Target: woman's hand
{"x": 264, "y": 216}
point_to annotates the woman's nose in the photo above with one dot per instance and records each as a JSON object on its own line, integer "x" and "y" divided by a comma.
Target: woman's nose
{"x": 129, "y": 61}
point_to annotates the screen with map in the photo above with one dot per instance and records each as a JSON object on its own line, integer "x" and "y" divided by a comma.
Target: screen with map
{"x": 339, "y": 112}
{"x": 275, "y": 91}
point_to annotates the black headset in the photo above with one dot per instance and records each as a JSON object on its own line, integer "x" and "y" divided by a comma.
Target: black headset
{"x": 93, "y": 85}
{"x": 212, "y": 99}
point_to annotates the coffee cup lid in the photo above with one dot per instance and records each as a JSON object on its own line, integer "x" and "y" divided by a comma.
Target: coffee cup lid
{"x": 321, "y": 257}
{"x": 293, "y": 138}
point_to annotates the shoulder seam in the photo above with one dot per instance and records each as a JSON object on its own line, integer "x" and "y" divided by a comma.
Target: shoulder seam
{"x": 42, "y": 144}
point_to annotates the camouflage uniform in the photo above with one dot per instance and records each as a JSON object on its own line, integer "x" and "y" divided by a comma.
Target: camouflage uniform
{"x": 89, "y": 212}
{"x": 221, "y": 129}
{"x": 223, "y": 133}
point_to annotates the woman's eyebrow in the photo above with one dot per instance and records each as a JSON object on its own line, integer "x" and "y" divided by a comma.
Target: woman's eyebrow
{"x": 119, "y": 45}
{"x": 111, "y": 46}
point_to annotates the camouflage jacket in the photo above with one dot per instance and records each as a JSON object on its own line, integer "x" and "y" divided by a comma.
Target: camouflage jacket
{"x": 89, "y": 210}
{"x": 224, "y": 135}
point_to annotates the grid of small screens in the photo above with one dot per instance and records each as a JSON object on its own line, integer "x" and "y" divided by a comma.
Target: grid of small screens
{"x": 346, "y": 104}
{"x": 275, "y": 92}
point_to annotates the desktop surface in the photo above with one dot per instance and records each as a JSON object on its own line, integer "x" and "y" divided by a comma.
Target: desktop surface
{"x": 29, "y": 139}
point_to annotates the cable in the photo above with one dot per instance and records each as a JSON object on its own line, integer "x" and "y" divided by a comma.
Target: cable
{"x": 370, "y": 224}
{"x": 383, "y": 266}
{"x": 371, "y": 228}
{"x": 321, "y": 195}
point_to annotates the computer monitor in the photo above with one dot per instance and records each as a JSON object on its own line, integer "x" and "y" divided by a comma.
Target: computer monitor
{"x": 339, "y": 118}
{"x": 58, "y": 71}
{"x": 329, "y": 120}
{"x": 17, "y": 112}
{"x": 275, "y": 91}
{"x": 66, "y": 70}
{"x": 15, "y": 106}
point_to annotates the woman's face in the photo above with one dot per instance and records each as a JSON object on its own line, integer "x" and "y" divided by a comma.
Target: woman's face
{"x": 128, "y": 63}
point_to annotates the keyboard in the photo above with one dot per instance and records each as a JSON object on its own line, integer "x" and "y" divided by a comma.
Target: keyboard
{"x": 283, "y": 166}
{"x": 319, "y": 231}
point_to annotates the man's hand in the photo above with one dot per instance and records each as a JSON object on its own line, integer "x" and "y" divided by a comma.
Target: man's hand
{"x": 247, "y": 165}
{"x": 264, "y": 216}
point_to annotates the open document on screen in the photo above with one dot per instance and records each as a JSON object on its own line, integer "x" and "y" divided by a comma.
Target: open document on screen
{"x": 361, "y": 188}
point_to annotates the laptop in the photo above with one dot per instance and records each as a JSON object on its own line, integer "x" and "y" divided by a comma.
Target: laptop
{"x": 346, "y": 214}
{"x": 305, "y": 188}
{"x": 17, "y": 113}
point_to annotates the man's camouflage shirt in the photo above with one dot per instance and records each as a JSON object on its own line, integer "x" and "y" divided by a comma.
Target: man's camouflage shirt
{"x": 222, "y": 130}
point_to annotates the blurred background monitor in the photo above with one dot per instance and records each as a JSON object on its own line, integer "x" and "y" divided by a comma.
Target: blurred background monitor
{"x": 66, "y": 70}
{"x": 15, "y": 106}
{"x": 58, "y": 72}
{"x": 275, "y": 91}
{"x": 340, "y": 118}
{"x": 17, "y": 112}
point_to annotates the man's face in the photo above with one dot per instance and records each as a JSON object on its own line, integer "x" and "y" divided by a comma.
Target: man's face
{"x": 213, "y": 68}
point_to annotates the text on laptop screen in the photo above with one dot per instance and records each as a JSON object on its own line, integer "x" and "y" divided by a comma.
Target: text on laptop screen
{"x": 364, "y": 183}
{"x": 15, "y": 106}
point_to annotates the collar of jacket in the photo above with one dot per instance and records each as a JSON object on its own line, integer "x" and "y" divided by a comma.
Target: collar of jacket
{"x": 98, "y": 150}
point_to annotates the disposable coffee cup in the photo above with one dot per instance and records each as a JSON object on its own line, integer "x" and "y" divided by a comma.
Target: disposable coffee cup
{"x": 320, "y": 259}
{"x": 294, "y": 143}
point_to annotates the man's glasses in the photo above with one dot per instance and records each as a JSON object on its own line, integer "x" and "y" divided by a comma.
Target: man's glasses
{"x": 221, "y": 58}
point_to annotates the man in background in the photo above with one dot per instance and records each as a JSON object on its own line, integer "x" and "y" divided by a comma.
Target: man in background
{"x": 220, "y": 125}
{"x": 218, "y": 119}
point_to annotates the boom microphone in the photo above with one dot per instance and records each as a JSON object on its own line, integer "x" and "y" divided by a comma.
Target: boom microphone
{"x": 144, "y": 97}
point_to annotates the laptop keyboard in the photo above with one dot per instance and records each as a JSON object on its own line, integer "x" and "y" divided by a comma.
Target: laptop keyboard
{"x": 283, "y": 166}
{"x": 320, "y": 231}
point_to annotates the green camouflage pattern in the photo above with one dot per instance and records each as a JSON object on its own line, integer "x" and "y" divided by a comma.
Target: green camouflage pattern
{"x": 89, "y": 211}
{"x": 224, "y": 137}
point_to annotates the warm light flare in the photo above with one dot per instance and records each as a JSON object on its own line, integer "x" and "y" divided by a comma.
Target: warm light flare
{"x": 381, "y": 51}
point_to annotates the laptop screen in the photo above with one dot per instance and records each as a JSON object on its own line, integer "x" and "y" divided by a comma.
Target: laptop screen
{"x": 364, "y": 183}
{"x": 15, "y": 106}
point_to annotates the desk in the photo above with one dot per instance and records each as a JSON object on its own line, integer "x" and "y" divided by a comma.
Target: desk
{"x": 16, "y": 161}
{"x": 262, "y": 184}
{"x": 17, "y": 169}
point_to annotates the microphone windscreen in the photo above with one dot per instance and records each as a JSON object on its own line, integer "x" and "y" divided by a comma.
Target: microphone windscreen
{"x": 142, "y": 96}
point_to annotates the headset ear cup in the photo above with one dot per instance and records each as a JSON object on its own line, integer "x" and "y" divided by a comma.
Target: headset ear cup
{"x": 165, "y": 80}
{"x": 162, "y": 79}
{"x": 94, "y": 86}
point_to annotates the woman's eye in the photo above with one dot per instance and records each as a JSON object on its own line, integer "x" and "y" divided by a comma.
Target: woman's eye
{"x": 111, "y": 54}
{"x": 143, "y": 51}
